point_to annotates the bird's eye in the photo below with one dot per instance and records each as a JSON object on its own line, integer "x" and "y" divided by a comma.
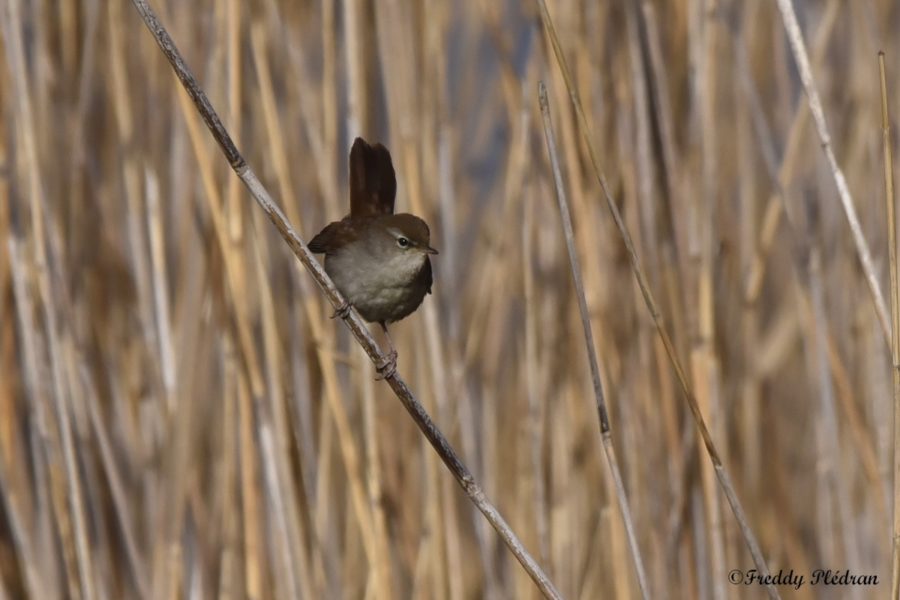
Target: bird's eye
{"x": 403, "y": 242}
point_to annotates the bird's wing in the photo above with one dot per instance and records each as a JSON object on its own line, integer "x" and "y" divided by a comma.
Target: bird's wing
{"x": 425, "y": 274}
{"x": 322, "y": 241}
{"x": 373, "y": 184}
{"x": 337, "y": 234}
{"x": 332, "y": 237}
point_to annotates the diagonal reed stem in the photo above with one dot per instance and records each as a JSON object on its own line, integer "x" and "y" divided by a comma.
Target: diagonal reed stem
{"x": 795, "y": 37}
{"x": 722, "y": 475}
{"x": 353, "y": 321}
{"x": 603, "y": 414}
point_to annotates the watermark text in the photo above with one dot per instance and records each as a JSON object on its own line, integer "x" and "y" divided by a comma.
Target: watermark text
{"x": 796, "y": 580}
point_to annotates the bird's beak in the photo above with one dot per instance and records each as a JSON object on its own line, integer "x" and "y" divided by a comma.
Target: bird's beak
{"x": 430, "y": 250}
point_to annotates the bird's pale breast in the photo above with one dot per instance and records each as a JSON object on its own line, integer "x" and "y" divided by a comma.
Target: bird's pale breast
{"x": 388, "y": 292}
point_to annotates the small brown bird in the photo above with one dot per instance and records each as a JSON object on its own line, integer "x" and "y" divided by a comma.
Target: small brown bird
{"x": 378, "y": 260}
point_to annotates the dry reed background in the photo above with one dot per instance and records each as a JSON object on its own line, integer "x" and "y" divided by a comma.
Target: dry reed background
{"x": 121, "y": 303}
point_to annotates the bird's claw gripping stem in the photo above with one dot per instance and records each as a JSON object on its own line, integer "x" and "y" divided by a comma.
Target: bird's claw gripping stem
{"x": 342, "y": 311}
{"x": 388, "y": 367}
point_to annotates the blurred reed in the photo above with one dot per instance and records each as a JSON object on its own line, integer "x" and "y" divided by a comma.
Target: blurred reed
{"x": 179, "y": 418}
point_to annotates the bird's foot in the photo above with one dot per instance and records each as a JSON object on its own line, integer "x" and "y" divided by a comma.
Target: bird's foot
{"x": 342, "y": 311}
{"x": 388, "y": 367}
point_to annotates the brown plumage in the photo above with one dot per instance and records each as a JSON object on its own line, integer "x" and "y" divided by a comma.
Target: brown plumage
{"x": 378, "y": 260}
{"x": 373, "y": 184}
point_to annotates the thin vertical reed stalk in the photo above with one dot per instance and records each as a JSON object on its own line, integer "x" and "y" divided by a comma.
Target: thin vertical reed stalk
{"x": 781, "y": 175}
{"x": 890, "y": 210}
{"x": 701, "y": 358}
{"x": 117, "y": 489}
{"x": 372, "y": 540}
{"x": 721, "y": 473}
{"x": 832, "y": 499}
{"x": 74, "y": 522}
{"x": 815, "y": 106}
{"x": 599, "y": 395}
{"x": 13, "y": 503}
